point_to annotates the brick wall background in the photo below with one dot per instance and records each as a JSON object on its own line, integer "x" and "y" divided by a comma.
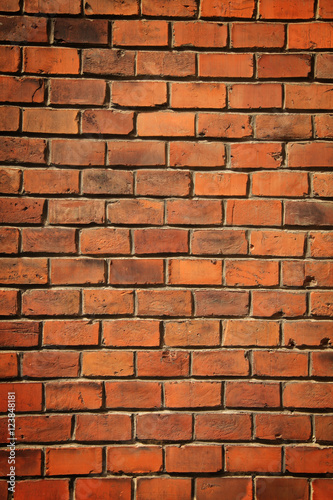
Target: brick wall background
{"x": 166, "y": 234}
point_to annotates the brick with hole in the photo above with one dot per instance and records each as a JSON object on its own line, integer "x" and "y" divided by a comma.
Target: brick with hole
{"x": 22, "y": 150}
{"x": 256, "y": 155}
{"x": 310, "y": 333}
{"x": 278, "y": 303}
{"x": 25, "y": 271}
{"x": 307, "y": 274}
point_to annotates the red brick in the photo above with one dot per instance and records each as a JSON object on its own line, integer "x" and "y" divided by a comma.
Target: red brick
{"x": 324, "y": 427}
{"x": 8, "y": 365}
{"x": 131, "y": 332}
{"x": 48, "y": 239}
{"x": 192, "y": 394}
{"x": 8, "y": 302}
{"x": 107, "y": 121}
{"x": 195, "y": 272}
{"x": 133, "y": 394}
{"x": 173, "y": 8}
{"x": 23, "y": 29}
{"x": 107, "y": 364}
{"x": 192, "y": 458}
{"x": 10, "y": 59}
{"x": 220, "y": 184}
{"x": 53, "y": 6}
{"x": 310, "y": 35}
{"x": 287, "y": 427}
{"x": 226, "y": 65}
{"x": 16, "y": 89}
{"x": 163, "y": 488}
{"x": 192, "y": 332}
{"x": 50, "y": 364}
{"x": 280, "y": 364}
{"x": 76, "y": 211}
{"x": 324, "y": 66}
{"x": 76, "y": 30}
{"x": 280, "y": 184}
{"x": 277, "y": 243}
{"x": 53, "y": 60}
{"x": 321, "y": 244}
{"x": 284, "y": 66}
{"x": 237, "y": 8}
{"x": 194, "y": 154}
{"x": 221, "y": 302}
{"x": 308, "y": 395}
{"x": 77, "y": 271}
{"x": 256, "y": 155}
{"x": 73, "y": 396}
{"x": 165, "y": 123}
{"x": 253, "y": 394}
{"x": 160, "y": 240}
{"x": 143, "y": 153}
{"x": 43, "y": 488}
{"x": 105, "y": 240}
{"x": 198, "y": 95}
{"x": 309, "y": 459}
{"x": 10, "y": 5}
{"x": 251, "y": 273}
{"x": 255, "y": 95}
{"x": 166, "y": 63}
{"x": 311, "y": 333}
{"x": 115, "y": 8}
{"x": 213, "y": 487}
{"x": 278, "y": 303}
{"x": 300, "y": 213}
{"x": 279, "y": 9}
{"x": 223, "y": 427}
{"x": 19, "y": 333}
{"x": 95, "y": 427}
{"x": 76, "y": 91}
{"x": 322, "y": 487}
{"x": 224, "y": 125}
{"x": 134, "y": 459}
{"x": 19, "y": 210}
{"x": 28, "y": 462}
{"x": 140, "y": 33}
{"x": 23, "y": 271}
{"x": 252, "y": 35}
{"x": 254, "y": 212}
{"x": 22, "y": 150}
{"x": 9, "y": 240}
{"x": 164, "y": 427}
{"x": 220, "y": 363}
{"x": 309, "y": 96}
{"x": 50, "y": 121}
{"x": 50, "y": 428}
{"x": 194, "y": 212}
{"x": 164, "y": 302}
{"x": 38, "y": 181}
{"x": 9, "y": 117}
{"x": 10, "y": 180}
{"x": 324, "y": 126}
{"x": 65, "y": 461}
{"x": 282, "y": 487}
{"x": 322, "y": 364}
{"x": 307, "y": 274}
{"x": 70, "y": 333}
{"x": 71, "y": 152}
{"x": 250, "y": 332}
{"x": 307, "y": 154}
{"x": 323, "y": 185}
{"x": 139, "y": 211}
{"x": 163, "y": 363}
{"x": 146, "y": 94}
{"x": 107, "y": 301}
{"x": 112, "y": 182}
{"x": 253, "y": 459}
{"x": 163, "y": 183}
{"x": 108, "y": 62}
{"x": 325, "y": 11}
{"x": 284, "y": 126}
{"x": 217, "y": 241}
{"x": 111, "y": 488}
{"x": 196, "y": 34}
{"x": 50, "y": 302}
{"x": 28, "y": 396}
{"x": 136, "y": 271}
{"x": 321, "y": 303}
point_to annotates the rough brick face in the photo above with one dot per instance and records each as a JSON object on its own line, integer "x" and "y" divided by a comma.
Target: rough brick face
{"x": 165, "y": 248}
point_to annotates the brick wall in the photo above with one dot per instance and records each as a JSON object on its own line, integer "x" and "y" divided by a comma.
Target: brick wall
{"x": 165, "y": 270}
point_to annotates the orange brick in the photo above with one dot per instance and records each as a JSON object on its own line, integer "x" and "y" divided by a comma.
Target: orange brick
{"x": 50, "y": 364}
{"x": 251, "y": 273}
{"x": 286, "y": 427}
{"x": 107, "y": 364}
{"x": 325, "y": 11}
{"x": 222, "y": 363}
{"x": 77, "y": 91}
{"x": 140, "y": 33}
{"x": 107, "y": 181}
{"x": 70, "y": 333}
{"x": 195, "y": 272}
{"x": 221, "y": 303}
{"x": 53, "y": 6}
{"x": 24, "y": 270}
{"x": 279, "y": 9}
{"x": 164, "y": 302}
{"x": 256, "y": 155}
{"x": 108, "y": 62}
{"x": 51, "y": 302}
{"x": 223, "y": 427}
{"x": 73, "y": 396}
{"x": 252, "y": 35}
{"x": 324, "y": 66}
{"x": 277, "y": 243}
{"x": 226, "y": 65}
{"x": 82, "y": 152}
{"x": 9, "y": 240}
{"x": 165, "y": 123}
{"x": 123, "y": 8}
{"x": 309, "y": 96}
{"x": 22, "y": 150}
{"x": 107, "y": 301}
{"x": 238, "y": 8}
{"x": 282, "y": 303}
{"x": 151, "y": 488}
{"x": 164, "y": 427}
{"x": 252, "y": 394}
{"x": 286, "y": 126}
{"x": 323, "y": 185}
{"x": 220, "y": 184}
{"x": 64, "y": 461}
{"x": 10, "y": 180}
{"x": 310, "y": 35}
{"x": 196, "y": 34}
{"x": 172, "y": 8}
{"x": 166, "y": 63}
{"x": 107, "y": 121}
{"x": 251, "y": 332}
{"x": 160, "y": 240}
{"x": 194, "y": 212}
{"x": 51, "y": 181}
{"x": 144, "y": 153}
{"x": 193, "y": 458}
{"x": 280, "y": 364}
{"x": 48, "y": 239}
{"x": 192, "y": 332}
{"x": 224, "y": 125}
{"x": 23, "y": 29}
{"x": 133, "y": 394}
{"x": 136, "y": 271}
{"x": 10, "y": 58}
{"x": 134, "y": 459}
{"x": 139, "y": 211}
{"x": 136, "y": 94}
{"x": 106, "y": 240}
{"x": 254, "y": 212}
{"x": 280, "y": 184}
{"x": 219, "y": 242}
{"x": 16, "y": 89}
{"x": 194, "y": 154}
{"x": 253, "y": 458}
{"x": 105, "y": 486}
{"x": 192, "y": 394}
{"x": 284, "y": 66}
{"x": 53, "y": 60}
{"x": 316, "y": 333}
{"x": 163, "y": 183}
{"x": 77, "y": 271}
{"x": 255, "y": 95}
{"x": 324, "y": 126}
{"x": 198, "y": 95}
{"x": 131, "y": 332}
{"x": 105, "y": 427}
